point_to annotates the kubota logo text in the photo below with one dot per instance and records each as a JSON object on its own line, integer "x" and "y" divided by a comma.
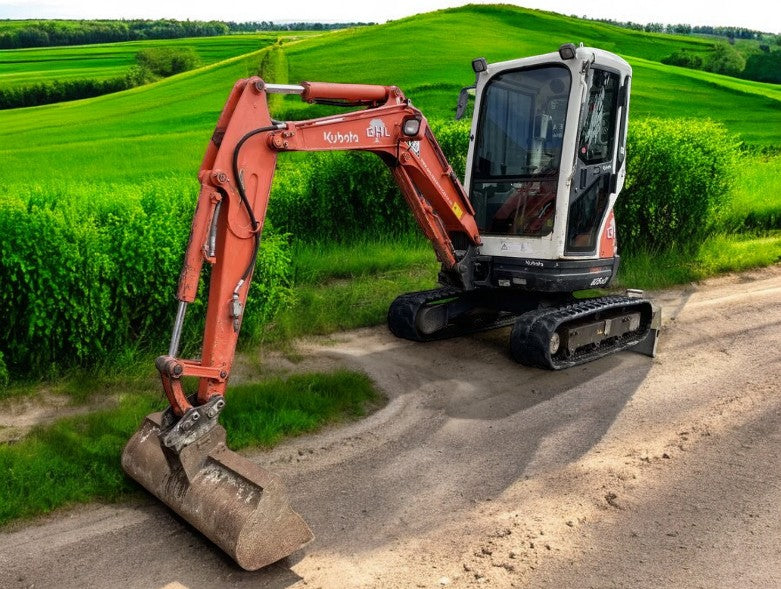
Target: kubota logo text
{"x": 377, "y": 129}
{"x": 333, "y": 138}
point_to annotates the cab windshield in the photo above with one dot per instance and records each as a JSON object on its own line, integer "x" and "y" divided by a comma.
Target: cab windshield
{"x": 518, "y": 152}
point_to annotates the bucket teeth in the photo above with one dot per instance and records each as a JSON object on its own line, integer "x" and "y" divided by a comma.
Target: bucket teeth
{"x": 240, "y": 506}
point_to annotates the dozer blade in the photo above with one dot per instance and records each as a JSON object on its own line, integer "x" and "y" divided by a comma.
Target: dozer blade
{"x": 238, "y": 505}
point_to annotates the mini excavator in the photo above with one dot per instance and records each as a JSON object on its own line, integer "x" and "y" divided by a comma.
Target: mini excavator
{"x": 531, "y": 226}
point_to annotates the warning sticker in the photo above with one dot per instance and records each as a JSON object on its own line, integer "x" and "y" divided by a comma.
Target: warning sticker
{"x": 457, "y": 210}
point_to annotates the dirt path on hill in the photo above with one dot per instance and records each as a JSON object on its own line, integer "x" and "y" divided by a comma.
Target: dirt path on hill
{"x": 627, "y": 472}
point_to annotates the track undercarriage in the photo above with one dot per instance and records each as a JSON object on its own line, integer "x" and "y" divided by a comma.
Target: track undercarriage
{"x": 549, "y": 330}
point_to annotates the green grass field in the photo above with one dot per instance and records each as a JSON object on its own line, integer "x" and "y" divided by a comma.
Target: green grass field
{"x": 756, "y": 199}
{"x": 162, "y": 129}
{"x": 22, "y": 67}
{"x": 76, "y": 460}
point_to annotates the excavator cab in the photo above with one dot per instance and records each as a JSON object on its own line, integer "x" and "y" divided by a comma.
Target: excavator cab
{"x": 545, "y": 165}
{"x": 518, "y": 151}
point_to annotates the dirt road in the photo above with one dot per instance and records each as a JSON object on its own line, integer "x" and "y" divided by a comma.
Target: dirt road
{"x": 627, "y": 472}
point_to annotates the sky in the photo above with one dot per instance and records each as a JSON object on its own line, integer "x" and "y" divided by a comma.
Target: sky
{"x": 763, "y": 15}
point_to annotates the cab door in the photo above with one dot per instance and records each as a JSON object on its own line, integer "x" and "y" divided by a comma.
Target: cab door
{"x": 593, "y": 188}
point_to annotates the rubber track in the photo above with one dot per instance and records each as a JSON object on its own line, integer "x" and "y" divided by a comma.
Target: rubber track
{"x": 532, "y": 331}
{"x": 404, "y": 310}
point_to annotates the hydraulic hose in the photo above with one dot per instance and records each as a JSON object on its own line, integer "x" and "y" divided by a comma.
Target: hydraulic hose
{"x": 245, "y": 200}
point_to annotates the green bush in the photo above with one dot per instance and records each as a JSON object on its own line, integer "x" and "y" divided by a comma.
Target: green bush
{"x": 679, "y": 173}
{"x": 167, "y": 61}
{"x": 272, "y": 286}
{"x": 338, "y": 196}
{"x": 345, "y": 196}
{"x": 763, "y": 67}
{"x": 89, "y": 271}
{"x": 725, "y": 59}
{"x": 684, "y": 58}
{"x": 453, "y": 136}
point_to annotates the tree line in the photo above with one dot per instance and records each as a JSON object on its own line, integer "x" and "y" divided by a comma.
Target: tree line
{"x": 686, "y": 29}
{"x": 256, "y": 26}
{"x": 761, "y": 65}
{"x": 50, "y": 33}
{"x": 759, "y": 62}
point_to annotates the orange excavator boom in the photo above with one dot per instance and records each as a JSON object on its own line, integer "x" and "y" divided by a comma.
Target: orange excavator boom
{"x": 236, "y": 177}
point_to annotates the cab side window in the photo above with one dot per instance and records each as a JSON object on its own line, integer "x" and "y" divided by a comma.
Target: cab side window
{"x": 598, "y": 126}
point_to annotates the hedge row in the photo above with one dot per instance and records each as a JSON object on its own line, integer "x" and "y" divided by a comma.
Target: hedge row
{"x": 49, "y": 33}
{"x": 152, "y": 63}
{"x": 762, "y": 66}
{"x": 679, "y": 174}
{"x": 53, "y": 91}
{"x": 90, "y": 271}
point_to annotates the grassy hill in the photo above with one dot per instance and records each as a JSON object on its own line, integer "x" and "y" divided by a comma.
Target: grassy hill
{"x": 162, "y": 129}
{"x": 430, "y": 55}
{"x": 153, "y": 130}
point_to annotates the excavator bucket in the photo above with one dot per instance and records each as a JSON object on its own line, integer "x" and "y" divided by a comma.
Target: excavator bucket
{"x": 238, "y": 505}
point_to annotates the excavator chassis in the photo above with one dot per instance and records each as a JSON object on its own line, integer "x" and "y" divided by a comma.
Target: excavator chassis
{"x": 238, "y": 505}
{"x": 552, "y": 332}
